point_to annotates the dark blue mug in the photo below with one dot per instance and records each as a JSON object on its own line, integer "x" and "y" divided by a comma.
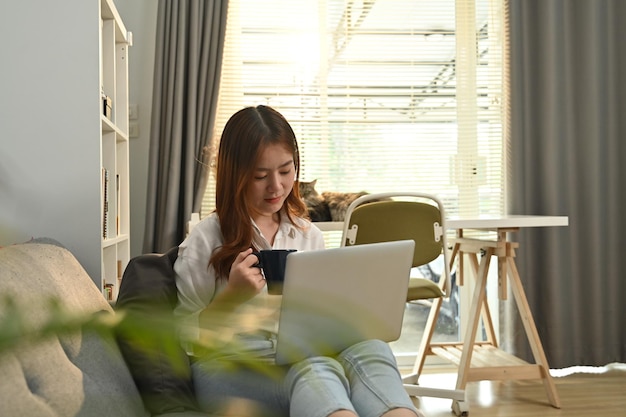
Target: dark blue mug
{"x": 273, "y": 262}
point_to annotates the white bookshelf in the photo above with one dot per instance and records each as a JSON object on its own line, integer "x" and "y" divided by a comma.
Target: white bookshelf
{"x": 55, "y": 139}
{"x": 114, "y": 44}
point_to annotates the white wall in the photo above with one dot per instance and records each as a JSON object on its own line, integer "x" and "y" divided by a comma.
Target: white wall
{"x": 50, "y": 126}
{"x": 34, "y": 203}
{"x": 139, "y": 17}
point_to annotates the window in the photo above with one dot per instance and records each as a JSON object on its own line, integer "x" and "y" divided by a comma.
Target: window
{"x": 382, "y": 94}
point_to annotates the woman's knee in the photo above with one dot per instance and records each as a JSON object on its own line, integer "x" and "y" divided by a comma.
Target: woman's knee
{"x": 317, "y": 368}
{"x": 319, "y": 384}
{"x": 371, "y": 357}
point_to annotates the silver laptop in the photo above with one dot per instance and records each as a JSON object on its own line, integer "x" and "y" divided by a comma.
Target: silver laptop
{"x": 335, "y": 298}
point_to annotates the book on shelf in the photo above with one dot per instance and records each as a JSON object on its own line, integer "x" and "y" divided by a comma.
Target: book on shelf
{"x": 107, "y": 290}
{"x": 119, "y": 206}
{"x": 105, "y": 199}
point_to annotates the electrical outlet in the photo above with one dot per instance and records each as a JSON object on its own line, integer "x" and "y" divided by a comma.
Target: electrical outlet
{"x": 133, "y": 130}
{"x": 133, "y": 111}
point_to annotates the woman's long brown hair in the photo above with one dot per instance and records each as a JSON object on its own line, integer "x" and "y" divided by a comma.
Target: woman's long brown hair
{"x": 246, "y": 133}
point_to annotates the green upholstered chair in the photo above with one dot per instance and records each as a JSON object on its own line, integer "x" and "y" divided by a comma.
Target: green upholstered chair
{"x": 421, "y": 217}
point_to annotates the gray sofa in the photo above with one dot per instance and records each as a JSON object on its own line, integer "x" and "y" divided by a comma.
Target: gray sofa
{"x": 83, "y": 373}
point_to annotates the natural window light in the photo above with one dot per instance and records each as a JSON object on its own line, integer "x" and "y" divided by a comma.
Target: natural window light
{"x": 383, "y": 95}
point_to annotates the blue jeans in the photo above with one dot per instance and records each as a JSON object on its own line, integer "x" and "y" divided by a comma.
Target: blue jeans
{"x": 364, "y": 379}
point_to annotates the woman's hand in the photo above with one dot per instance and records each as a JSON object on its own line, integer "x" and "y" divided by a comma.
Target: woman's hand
{"x": 245, "y": 280}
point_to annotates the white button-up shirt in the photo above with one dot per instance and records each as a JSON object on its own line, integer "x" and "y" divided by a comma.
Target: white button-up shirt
{"x": 197, "y": 284}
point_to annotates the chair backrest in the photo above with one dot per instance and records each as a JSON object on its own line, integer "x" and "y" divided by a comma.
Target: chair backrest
{"x": 386, "y": 217}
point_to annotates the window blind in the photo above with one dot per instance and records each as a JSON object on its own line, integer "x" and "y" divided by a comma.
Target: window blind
{"x": 383, "y": 95}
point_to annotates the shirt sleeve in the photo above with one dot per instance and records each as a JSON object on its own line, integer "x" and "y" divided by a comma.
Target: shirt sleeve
{"x": 195, "y": 281}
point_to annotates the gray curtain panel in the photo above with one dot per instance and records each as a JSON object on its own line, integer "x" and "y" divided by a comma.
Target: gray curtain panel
{"x": 568, "y": 153}
{"x": 188, "y": 58}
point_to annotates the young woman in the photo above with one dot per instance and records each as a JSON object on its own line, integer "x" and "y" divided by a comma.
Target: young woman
{"x": 258, "y": 207}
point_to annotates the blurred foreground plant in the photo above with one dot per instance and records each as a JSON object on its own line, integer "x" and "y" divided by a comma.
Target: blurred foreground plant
{"x": 151, "y": 334}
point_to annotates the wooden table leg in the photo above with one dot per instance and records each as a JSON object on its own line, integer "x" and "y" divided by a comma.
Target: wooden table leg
{"x": 476, "y": 308}
{"x": 502, "y": 265}
{"x": 485, "y": 312}
{"x": 531, "y": 333}
{"x": 460, "y": 272}
{"x": 491, "y": 363}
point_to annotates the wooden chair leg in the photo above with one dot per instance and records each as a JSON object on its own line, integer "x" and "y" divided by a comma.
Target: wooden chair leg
{"x": 425, "y": 344}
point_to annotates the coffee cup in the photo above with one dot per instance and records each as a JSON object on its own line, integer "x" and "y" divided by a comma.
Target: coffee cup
{"x": 272, "y": 262}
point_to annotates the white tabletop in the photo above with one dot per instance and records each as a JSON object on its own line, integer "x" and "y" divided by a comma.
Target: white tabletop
{"x": 481, "y": 222}
{"x": 505, "y": 222}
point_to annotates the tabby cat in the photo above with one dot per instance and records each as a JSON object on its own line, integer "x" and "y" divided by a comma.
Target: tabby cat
{"x": 329, "y": 206}
{"x": 317, "y": 207}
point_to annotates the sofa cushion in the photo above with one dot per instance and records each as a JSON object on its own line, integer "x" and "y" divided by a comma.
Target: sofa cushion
{"x": 160, "y": 367}
{"x": 77, "y": 374}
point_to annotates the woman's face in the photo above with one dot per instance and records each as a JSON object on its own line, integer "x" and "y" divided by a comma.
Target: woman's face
{"x": 272, "y": 181}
